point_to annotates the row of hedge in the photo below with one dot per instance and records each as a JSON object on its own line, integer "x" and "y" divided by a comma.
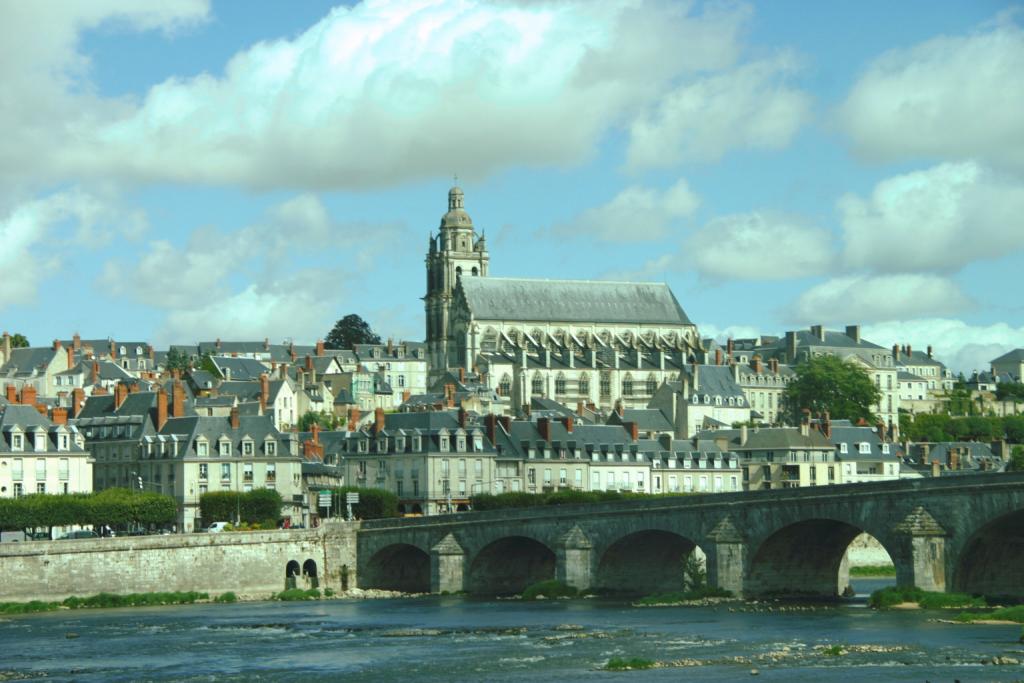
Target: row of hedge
{"x": 112, "y": 507}
{"x": 250, "y": 507}
{"x": 941, "y": 427}
{"x": 373, "y": 503}
{"x": 522, "y": 499}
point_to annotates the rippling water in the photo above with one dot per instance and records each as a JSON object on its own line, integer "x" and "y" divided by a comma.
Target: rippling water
{"x": 454, "y": 639}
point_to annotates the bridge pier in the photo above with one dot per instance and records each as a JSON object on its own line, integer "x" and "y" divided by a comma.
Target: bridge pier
{"x": 447, "y": 566}
{"x": 727, "y": 556}
{"x": 923, "y": 543}
{"x": 572, "y": 559}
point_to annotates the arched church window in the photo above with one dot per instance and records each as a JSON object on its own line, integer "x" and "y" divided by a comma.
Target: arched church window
{"x": 606, "y": 384}
{"x": 505, "y": 385}
{"x": 475, "y": 272}
{"x": 652, "y": 383}
{"x": 560, "y": 385}
{"x": 584, "y": 384}
{"x": 537, "y": 386}
{"x": 627, "y": 385}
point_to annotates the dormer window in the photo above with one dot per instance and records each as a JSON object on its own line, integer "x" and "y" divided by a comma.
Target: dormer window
{"x": 695, "y": 399}
{"x": 247, "y": 447}
{"x": 17, "y": 441}
{"x": 382, "y": 445}
{"x": 122, "y": 350}
{"x": 444, "y": 443}
{"x": 225, "y": 448}
{"x": 707, "y": 400}
{"x": 39, "y": 440}
{"x": 460, "y": 444}
{"x": 843, "y": 448}
{"x": 885, "y": 448}
{"x": 864, "y": 447}
{"x": 202, "y": 448}
{"x": 270, "y": 447}
{"x": 417, "y": 444}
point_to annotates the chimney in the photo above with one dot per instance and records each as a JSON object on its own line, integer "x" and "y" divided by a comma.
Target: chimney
{"x": 718, "y": 356}
{"x": 264, "y": 392}
{"x": 929, "y": 350}
{"x": 133, "y": 388}
{"x": 302, "y": 379}
{"x": 282, "y": 371}
{"x": 391, "y": 347}
{"x": 491, "y": 427}
{"x": 579, "y": 408}
{"x": 853, "y": 332}
{"x": 309, "y": 363}
{"x": 790, "y": 346}
{"x": 773, "y": 365}
{"x": 353, "y": 418}
{"x": 56, "y": 344}
{"x": 743, "y": 435}
{"x": 925, "y": 452}
{"x": 95, "y": 372}
{"x": 805, "y": 423}
{"x": 954, "y": 459}
{"x": 569, "y": 423}
{"x": 378, "y": 420}
{"x": 71, "y": 357}
{"x": 449, "y": 391}
{"x": 826, "y": 425}
{"x": 910, "y": 351}
{"x": 234, "y": 418}
{"x": 633, "y": 429}
{"x": 100, "y": 391}
{"x": 41, "y": 409}
{"x": 292, "y": 354}
{"x": 77, "y": 399}
{"x": 59, "y": 416}
{"x": 315, "y": 428}
{"x": 730, "y": 347}
{"x": 896, "y": 352}
{"x": 11, "y": 393}
{"x": 217, "y": 343}
{"x": 266, "y": 343}
{"x": 178, "y": 399}
{"x": 76, "y": 342}
{"x": 544, "y": 427}
{"x": 120, "y": 394}
{"x": 28, "y": 395}
{"x": 936, "y": 469}
{"x": 758, "y": 364}
{"x": 462, "y": 417}
{"x": 462, "y": 375}
{"x": 113, "y": 350}
{"x": 152, "y": 355}
{"x": 161, "y": 408}
{"x": 506, "y": 423}
{"x": 406, "y": 395}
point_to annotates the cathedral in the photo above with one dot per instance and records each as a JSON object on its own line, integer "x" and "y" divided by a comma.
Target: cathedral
{"x": 593, "y": 343}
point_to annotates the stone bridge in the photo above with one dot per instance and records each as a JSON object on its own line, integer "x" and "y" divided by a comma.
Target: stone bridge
{"x": 952, "y": 533}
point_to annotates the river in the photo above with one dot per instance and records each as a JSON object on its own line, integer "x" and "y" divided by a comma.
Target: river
{"x": 460, "y": 639}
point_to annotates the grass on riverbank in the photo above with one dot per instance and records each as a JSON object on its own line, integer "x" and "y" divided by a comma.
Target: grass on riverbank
{"x": 873, "y": 570}
{"x": 1015, "y": 613}
{"x": 297, "y": 594}
{"x": 631, "y": 664}
{"x": 897, "y": 595}
{"x": 549, "y": 589}
{"x": 678, "y": 597}
{"x": 102, "y": 600}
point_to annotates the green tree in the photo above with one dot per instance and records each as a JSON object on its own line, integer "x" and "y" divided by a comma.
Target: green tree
{"x": 373, "y": 503}
{"x": 1010, "y": 391}
{"x": 321, "y": 418}
{"x": 348, "y": 331}
{"x": 19, "y": 341}
{"x": 827, "y": 383}
{"x": 1016, "y": 463}
{"x": 206, "y": 363}
{"x": 177, "y": 360}
{"x": 258, "y": 505}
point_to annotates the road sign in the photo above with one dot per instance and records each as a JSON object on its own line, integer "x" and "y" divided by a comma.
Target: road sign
{"x": 325, "y": 499}
{"x": 351, "y": 498}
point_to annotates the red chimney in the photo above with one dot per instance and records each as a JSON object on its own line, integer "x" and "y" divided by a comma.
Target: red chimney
{"x": 59, "y": 416}
{"x": 309, "y": 363}
{"x": 76, "y": 342}
{"x": 264, "y": 392}
{"x": 544, "y": 427}
{"x": 95, "y": 372}
{"x": 113, "y": 350}
{"x": 56, "y": 344}
{"x": 406, "y": 395}
{"x": 491, "y": 426}
{"x": 234, "y": 418}
{"x": 71, "y": 357}
{"x": 730, "y": 347}
{"x": 161, "y": 408}
{"x": 315, "y": 428}
{"x": 178, "y": 399}
{"x": 462, "y": 375}
{"x": 11, "y": 393}
{"x": 758, "y": 365}
{"x": 120, "y": 394}
{"x": 353, "y": 418}
{"x": 462, "y": 417}
{"x": 718, "y": 356}
{"x": 28, "y": 395}
{"x": 100, "y": 391}
{"x": 633, "y": 428}
{"x": 569, "y": 423}
{"x": 319, "y": 347}
{"x": 826, "y": 425}
{"x": 378, "y": 420}
{"x": 77, "y": 399}
{"x": 41, "y": 409}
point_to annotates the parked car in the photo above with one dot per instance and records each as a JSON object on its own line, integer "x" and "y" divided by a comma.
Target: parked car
{"x": 81, "y": 533}
{"x": 39, "y": 536}
{"x": 217, "y": 527}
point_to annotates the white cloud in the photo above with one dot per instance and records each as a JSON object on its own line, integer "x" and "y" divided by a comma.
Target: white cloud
{"x": 35, "y": 236}
{"x": 636, "y": 213}
{"x": 723, "y": 334}
{"x": 961, "y": 346}
{"x": 875, "y": 298}
{"x": 385, "y": 91}
{"x": 749, "y": 106}
{"x": 951, "y": 97}
{"x": 937, "y": 219}
{"x": 759, "y": 246}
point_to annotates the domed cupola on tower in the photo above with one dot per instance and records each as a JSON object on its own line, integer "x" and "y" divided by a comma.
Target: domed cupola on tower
{"x": 456, "y": 218}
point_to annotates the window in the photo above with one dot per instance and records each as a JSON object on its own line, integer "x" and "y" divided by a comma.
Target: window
{"x": 652, "y": 384}
{"x": 401, "y": 381}
{"x": 584, "y": 384}
{"x": 560, "y": 385}
{"x": 461, "y": 467}
{"x": 531, "y": 476}
{"x": 505, "y": 386}
{"x": 578, "y": 479}
{"x": 606, "y": 384}
{"x": 271, "y": 472}
{"x": 19, "y": 490}
{"x": 595, "y": 481}
{"x": 41, "y": 487}
{"x": 478, "y": 468}
{"x": 864, "y": 447}
{"x": 225, "y": 448}
{"x": 627, "y": 385}
{"x": 460, "y": 443}
{"x": 203, "y": 471}
{"x": 843, "y": 447}
{"x": 547, "y": 476}
{"x": 247, "y": 447}
{"x": 40, "y": 469}
{"x": 225, "y": 472}
{"x": 202, "y": 449}
{"x": 271, "y": 448}
{"x": 563, "y": 477}
{"x": 537, "y": 386}
{"x": 17, "y": 473}
{"x": 247, "y": 472}
{"x": 16, "y": 442}
{"x": 444, "y": 444}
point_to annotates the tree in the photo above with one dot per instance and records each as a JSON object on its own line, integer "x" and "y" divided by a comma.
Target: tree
{"x": 177, "y": 360}
{"x": 321, "y": 418}
{"x": 19, "y": 341}
{"x": 827, "y": 383}
{"x": 1010, "y": 391}
{"x": 348, "y": 331}
{"x": 1016, "y": 460}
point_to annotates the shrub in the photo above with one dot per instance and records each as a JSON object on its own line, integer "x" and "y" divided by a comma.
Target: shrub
{"x": 549, "y": 589}
{"x": 253, "y": 507}
{"x": 623, "y": 664}
{"x": 328, "y": 592}
{"x": 293, "y": 594}
{"x": 1015, "y": 613}
{"x": 226, "y": 597}
{"x": 894, "y": 595}
{"x": 373, "y": 503}
{"x": 27, "y": 607}
{"x": 677, "y": 597}
{"x": 873, "y": 570}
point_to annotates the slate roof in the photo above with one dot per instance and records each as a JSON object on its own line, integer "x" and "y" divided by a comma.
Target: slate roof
{"x": 27, "y": 418}
{"x": 768, "y": 438}
{"x": 716, "y": 380}
{"x": 647, "y": 419}
{"x": 256, "y": 427}
{"x": 240, "y": 368}
{"x": 1015, "y": 356}
{"x": 853, "y": 436}
{"x": 28, "y": 361}
{"x": 108, "y": 370}
{"x": 572, "y": 301}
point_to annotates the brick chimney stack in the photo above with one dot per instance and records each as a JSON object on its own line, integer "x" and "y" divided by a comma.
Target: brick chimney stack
{"x": 59, "y": 416}
{"x": 71, "y": 358}
{"x": 120, "y": 394}
{"x": 178, "y": 399}
{"x": 28, "y": 395}
{"x": 462, "y": 375}
{"x": 77, "y": 400}
{"x": 569, "y": 423}
{"x": 895, "y": 352}
{"x": 544, "y": 427}
{"x": 491, "y": 427}
{"x": 462, "y": 417}
{"x": 113, "y": 350}
{"x": 309, "y": 363}
{"x": 235, "y": 419}
{"x": 633, "y": 429}
{"x": 95, "y": 372}
{"x": 826, "y": 425}
{"x": 76, "y": 342}
{"x": 730, "y": 347}
{"x": 319, "y": 347}
{"x": 718, "y": 356}
{"x": 11, "y": 393}
{"x": 264, "y": 392}
{"x": 378, "y": 420}
{"x": 929, "y": 350}
{"x": 353, "y": 418}
{"x": 758, "y": 364}
{"x": 161, "y": 408}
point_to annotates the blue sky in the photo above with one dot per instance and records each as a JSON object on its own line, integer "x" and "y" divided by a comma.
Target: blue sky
{"x": 187, "y": 170}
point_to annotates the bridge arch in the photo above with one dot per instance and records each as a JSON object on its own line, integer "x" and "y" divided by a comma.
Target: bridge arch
{"x": 805, "y": 558}
{"x": 510, "y": 564}
{"x": 398, "y": 567}
{"x": 644, "y": 562}
{"x": 992, "y": 559}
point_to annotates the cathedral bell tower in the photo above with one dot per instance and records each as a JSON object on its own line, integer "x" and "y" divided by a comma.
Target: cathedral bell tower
{"x": 455, "y": 252}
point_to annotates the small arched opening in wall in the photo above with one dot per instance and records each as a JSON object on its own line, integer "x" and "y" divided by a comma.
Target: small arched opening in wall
{"x": 648, "y": 562}
{"x": 992, "y": 561}
{"x": 509, "y": 565}
{"x": 399, "y": 567}
{"x": 810, "y": 559}
{"x": 309, "y": 573}
{"x": 292, "y": 571}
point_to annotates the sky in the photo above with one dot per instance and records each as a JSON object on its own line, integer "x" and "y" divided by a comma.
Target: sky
{"x": 187, "y": 170}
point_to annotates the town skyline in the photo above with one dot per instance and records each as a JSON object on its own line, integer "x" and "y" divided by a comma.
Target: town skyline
{"x": 142, "y": 219}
